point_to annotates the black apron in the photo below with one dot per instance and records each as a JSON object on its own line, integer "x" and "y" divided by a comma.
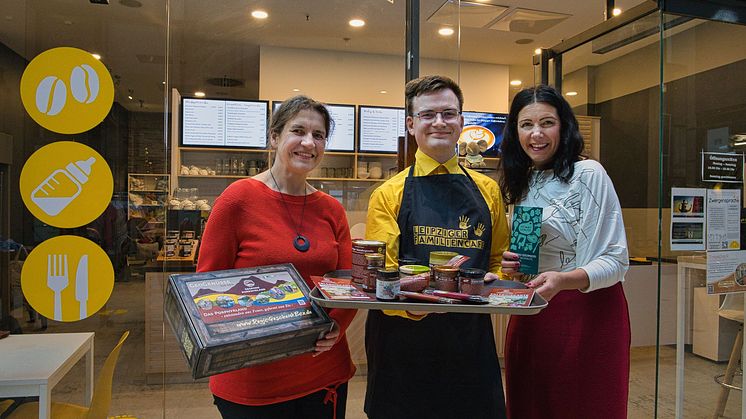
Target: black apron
{"x": 445, "y": 365}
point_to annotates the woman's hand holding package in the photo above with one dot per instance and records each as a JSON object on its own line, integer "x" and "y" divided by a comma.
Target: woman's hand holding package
{"x": 330, "y": 338}
{"x": 510, "y": 265}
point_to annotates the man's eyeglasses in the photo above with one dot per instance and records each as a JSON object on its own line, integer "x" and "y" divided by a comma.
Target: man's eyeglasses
{"x": 448, "y": 115}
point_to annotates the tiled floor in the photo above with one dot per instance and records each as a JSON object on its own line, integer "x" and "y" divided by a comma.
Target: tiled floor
{"x": 133, "y": 396}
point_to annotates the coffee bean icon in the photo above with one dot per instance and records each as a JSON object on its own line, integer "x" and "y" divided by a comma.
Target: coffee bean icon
{"x": 84, "y": 83}
{"x": 51, "y": 95}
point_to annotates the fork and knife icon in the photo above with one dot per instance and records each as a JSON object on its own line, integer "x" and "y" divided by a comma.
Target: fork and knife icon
{"x": 57, "y": 281}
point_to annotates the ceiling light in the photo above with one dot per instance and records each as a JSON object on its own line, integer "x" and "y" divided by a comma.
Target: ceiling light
{"x": 616, "y": 11}
{"x": 68, "y": 22}
{"x": 572, "y": 93}
{"x": 516, "y": 82}
{"x": 130, "y": 3}
{"x": 129, "y": 97}
{"x": 163, "y": 82}
{"x": 199, "y": 94}
{"x": 445, "y": 31}
{"x": 296, "y": 90}
{"x": 96, "y": 56}
{"x": 259, "y": 14}
{"x": 537, "y": 51}
{"x": 383, "y": 92}
{"x": 356, "y": 23}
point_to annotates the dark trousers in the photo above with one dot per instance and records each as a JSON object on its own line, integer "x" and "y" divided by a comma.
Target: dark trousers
{"x": 311, "y": 406}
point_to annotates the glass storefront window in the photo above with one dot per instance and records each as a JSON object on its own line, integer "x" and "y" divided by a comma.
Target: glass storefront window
{"x": 654, "y": 98}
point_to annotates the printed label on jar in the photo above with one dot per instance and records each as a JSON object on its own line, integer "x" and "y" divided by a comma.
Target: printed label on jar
{"x": 387, "y": 290}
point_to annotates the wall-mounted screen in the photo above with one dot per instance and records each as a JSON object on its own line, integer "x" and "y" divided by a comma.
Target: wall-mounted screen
{"x": 380, "y": 129}
{"x": 223, "y": 123}
{"x": 486, "y": 126}
{"x": 343, "y": 134}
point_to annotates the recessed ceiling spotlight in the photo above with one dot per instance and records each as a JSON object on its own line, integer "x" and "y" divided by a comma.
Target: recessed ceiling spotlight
{"x": 129, "y": 97}
{"x": 296, "y": 90}
{"x": 163, "y": 82}
{"x": 259, "y": 14}
{"x": 524, "y": 41}
{"x": 199, "y": 94}
{"x": 356, "y": 23}
{"x": 383, "y": 92}
{"x": 96, "y": 56}
{"x": 516, "y": 82}
{"x": 68, "y": 22}
{"x": 445, "y": 31}
{"x": 537, "y": 51}
{"x": 573, "y": 93}
{"x": 616, "y": 11}
{"x": 130, "y": 3}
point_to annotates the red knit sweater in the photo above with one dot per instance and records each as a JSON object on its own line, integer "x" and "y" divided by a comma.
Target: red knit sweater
{"x": 249, "y": 226}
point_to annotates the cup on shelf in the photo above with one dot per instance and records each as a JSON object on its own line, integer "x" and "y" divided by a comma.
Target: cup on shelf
{"x": 375, "y": 170}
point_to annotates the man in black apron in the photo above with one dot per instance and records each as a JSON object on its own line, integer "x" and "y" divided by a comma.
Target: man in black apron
{"x": 435, "y": 365}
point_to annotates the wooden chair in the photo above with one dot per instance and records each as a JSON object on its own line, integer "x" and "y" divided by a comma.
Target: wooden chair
{"x": 101, "y": 395}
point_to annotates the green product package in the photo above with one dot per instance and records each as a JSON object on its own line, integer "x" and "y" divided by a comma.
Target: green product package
{"x": 524, "y": 238}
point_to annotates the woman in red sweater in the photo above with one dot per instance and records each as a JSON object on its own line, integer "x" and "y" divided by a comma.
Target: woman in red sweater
{"x": 277, "y": 217}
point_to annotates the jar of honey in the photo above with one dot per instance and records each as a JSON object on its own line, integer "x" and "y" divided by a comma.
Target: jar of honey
{"x": 375, "y": 262}
{"x": 446, "y": 278}
{"x": 439, "y": 257}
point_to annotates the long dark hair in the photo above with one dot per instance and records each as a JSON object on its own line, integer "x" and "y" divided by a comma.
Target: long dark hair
{"x": 515, "y": 165}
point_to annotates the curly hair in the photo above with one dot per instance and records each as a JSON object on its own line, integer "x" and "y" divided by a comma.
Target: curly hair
{"x": 515, "y": 164}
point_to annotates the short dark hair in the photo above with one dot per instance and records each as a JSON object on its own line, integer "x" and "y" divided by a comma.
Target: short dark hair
{"x": 427, "y": 84}
{"x": 515, "y": 164}
{"x": 291, "y": 107}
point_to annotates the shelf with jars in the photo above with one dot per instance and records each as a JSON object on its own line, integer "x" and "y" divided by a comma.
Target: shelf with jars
{"x": 222, "y": 163}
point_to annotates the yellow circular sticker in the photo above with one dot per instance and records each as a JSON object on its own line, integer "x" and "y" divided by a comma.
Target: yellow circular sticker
{"x": 66, "y": 184}
{"x": 66, "y": 90}
{"x": 67, "y": 278}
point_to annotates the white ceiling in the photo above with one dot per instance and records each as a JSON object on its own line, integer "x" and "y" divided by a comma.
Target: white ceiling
{"x": 219, "y": 38}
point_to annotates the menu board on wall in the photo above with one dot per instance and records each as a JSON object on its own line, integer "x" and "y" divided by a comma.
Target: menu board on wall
{"x": 380, "y": 129}
{"x": 223, "y": 123}
{"x": 342, "y": 137}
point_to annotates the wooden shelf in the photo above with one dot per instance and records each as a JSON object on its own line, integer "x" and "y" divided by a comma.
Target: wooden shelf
{"x": 149, "y": 190}
{"x": 225, "y": 149}
{"x": 335, "y": 179}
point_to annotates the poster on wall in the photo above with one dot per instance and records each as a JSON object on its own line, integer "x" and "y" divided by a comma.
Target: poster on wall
{"x": 726, "y": 272}
{"x": 722, "y": 167}
{"x": 723, "y": 219}
{"x": 688, "y": 218}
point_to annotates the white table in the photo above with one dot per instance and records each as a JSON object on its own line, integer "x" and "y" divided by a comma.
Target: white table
{"x": 31, "y": 365}
{"x": 686, "y": 265}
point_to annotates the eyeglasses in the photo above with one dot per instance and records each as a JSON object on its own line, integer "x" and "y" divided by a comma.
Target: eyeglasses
{"x": 448, "y": 115}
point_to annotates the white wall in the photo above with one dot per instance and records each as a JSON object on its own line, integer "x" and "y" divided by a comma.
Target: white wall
{"x": 355, "y": 78}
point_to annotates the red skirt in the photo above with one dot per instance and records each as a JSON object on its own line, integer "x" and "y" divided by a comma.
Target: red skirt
{"x": 572, "y": 359}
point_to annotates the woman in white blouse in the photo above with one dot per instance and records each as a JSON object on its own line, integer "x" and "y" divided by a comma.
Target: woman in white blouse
{"x": 572, "y": 359}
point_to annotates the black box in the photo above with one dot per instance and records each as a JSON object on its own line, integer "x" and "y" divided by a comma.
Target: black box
{"x": 226, "y": 320}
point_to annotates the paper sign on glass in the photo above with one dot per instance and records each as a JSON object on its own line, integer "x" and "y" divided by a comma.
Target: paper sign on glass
{"x": 524, "y": 239}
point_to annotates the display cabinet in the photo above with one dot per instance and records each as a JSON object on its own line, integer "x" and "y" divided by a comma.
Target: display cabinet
{"x": 147, "y": 197}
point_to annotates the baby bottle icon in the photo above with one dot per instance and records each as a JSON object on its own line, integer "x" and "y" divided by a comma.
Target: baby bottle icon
{"x": 62, "y": 186}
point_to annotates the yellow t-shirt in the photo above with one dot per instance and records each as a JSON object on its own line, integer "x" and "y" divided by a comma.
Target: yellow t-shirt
{"x": 385, "y": 202}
